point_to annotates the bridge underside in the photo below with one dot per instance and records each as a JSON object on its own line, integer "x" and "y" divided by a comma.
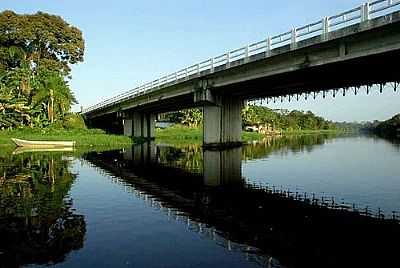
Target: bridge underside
{"x": 375, "y": 69}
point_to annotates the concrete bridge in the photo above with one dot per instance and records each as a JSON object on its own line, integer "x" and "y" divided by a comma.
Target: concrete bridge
{"x": 357, "y": 47}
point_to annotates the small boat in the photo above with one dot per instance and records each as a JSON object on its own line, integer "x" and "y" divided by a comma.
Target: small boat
{"x": 43, "y": 144}
{"x": 21, "y": 150}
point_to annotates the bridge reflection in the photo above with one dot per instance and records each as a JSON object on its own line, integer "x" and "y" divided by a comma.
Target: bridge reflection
{"x": 219, "y": 167}
{"x": 272, "y": 228}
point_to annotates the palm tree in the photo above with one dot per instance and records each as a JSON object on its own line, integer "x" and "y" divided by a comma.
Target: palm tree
{"x": 53, "y": 94}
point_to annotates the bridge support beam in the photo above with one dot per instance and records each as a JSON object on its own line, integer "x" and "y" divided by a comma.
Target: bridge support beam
{"x": 222, "y": 127}
{"x": 140, "y": 125}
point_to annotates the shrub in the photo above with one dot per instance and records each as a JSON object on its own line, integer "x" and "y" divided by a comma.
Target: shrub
{"x": 74, "y": 121}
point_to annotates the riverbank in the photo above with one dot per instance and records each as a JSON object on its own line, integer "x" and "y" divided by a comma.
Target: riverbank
{"x": 182, "y": 133}
{"x": 82, "y": 137}
{"x": 98, "y": 138}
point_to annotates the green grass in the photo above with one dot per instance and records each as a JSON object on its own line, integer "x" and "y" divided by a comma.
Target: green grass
{"x": 82, "y": 137}
{"x": 179, "y": 132}
{"x": 182, "y": 134}
{"x": 251, "y": 136}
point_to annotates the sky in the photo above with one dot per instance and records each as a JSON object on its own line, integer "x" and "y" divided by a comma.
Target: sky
{"x": 129, "y": 42}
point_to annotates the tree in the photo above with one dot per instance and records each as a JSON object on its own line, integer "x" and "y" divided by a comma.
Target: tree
{"x": 191, "y": 117}
{"x": 53, "y": 94}
{"x": 47, "y": 41}
{"x": 36, "y": 52}
{"x": 254, "y": 115}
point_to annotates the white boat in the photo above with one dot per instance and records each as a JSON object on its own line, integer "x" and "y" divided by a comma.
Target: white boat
{"x": 43, "y": 144}
{"x": 21, "y": 150}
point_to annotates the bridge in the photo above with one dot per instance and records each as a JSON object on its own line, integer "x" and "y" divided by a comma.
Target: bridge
{"x": 359, "y": 47}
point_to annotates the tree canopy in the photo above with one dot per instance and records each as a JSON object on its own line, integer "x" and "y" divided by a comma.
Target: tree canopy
{"x": 36, "y": 54}
{"x": 285, "y": 120}
{"x": 43, "y": 40}
{"x": 253, "y": 115}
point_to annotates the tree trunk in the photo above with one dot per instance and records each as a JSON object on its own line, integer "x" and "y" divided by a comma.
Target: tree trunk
{"x": 52, "y": 110}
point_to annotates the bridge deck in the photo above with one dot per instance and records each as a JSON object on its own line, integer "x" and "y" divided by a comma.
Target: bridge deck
{"x": 344, "y": 42}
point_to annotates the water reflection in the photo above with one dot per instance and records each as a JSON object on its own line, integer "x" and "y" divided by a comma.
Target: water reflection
{"x": 161, "y": 195}
{"x": 37, "y": 222}
{"x": 285, "y": 144}
{"x": 272, "y": 228}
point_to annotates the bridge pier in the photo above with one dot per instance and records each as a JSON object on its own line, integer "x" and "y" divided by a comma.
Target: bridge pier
{"x": 140, "y": 125}
{"x": 222, "y": 167}
{"x": 222, "y": 126}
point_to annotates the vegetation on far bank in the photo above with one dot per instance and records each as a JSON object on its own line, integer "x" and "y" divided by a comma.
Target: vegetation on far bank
{"x": 181, "y": 133}
{"x": 261, "y": 118}
{"x": 389, "y": 128}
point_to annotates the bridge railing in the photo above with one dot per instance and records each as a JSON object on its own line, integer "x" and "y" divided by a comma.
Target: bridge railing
{"x": 321, "y": 28}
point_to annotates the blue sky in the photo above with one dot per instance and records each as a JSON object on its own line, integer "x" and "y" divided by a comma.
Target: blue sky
{"x": 131, "y": 42}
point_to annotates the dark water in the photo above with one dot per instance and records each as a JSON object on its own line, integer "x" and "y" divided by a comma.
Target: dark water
{"x": 308, "y": 201}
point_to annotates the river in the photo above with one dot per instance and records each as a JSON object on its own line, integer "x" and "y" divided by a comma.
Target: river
{"x": 294, "y": 201}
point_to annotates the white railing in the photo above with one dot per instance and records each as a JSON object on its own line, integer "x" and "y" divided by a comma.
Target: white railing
{"x": 360, "y": 14}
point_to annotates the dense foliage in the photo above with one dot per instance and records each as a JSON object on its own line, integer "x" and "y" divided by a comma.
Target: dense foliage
{"x": 36, "y": 52}
{"x": 389, "y": 127}
{"x": 291, "y": 121}
{"x": 189, "y": 117}
{"x": 259, "y": 115}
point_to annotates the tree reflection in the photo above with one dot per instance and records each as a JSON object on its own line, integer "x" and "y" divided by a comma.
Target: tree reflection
{"x": 37, "y": 222}
{"x": 190, "y": 157}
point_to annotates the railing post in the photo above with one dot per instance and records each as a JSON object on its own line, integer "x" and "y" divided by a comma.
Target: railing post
{"x": 365, "y": 10}
{"x": 293, "y": 44}
{"x": 325, "y": 28}
{"x": 268, "y": 47}
{"x": 186, "y": 72}
{"x": 212, "y": 65}
{"x": 175, "y": 76}
{"x": 198, "y": 68}
{"x": 246, "y": 53}
{"x": 228, "y": 59}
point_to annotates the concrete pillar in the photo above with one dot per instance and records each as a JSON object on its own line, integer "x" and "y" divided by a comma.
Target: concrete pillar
{"x": 128, "y": 127}
{"x": 140, "y": 125}
{"x": 137, "y": 125}
{"x": 151, "y": 125}
{"x": 222, "y": 167}
{"x": 222, "y": 125}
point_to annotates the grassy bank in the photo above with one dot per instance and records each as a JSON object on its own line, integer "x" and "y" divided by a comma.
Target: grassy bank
{"x": 82, "y": 137}
{"x": 182, "y": 133}
{"x": 98, "y": 138}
